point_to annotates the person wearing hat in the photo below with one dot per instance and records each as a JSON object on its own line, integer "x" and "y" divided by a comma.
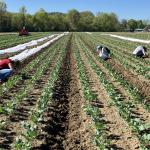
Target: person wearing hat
{"x": 140, "y": 51}
{"x": 103, "y": 52}
{"x": 6, "y": 69}
{"x": 98, "y": 48}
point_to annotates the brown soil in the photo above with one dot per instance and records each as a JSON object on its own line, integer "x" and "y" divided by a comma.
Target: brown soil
{"x": 65, "y": 125}
{"x": 24, "y": 82}
{"x": 141, "y": 83}
{"x": 117, "y": 129}
{"x": 21, "y": 113}
{"x": 139, "y": 110}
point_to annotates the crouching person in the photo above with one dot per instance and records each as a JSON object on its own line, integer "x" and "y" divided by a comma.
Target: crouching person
{"x": 140, "y": 51}
{"x": 98, "y": 48}
{"x": 6, "y": 69}
{"x": 104, "y": 53}
{"x": 5, "y": 74}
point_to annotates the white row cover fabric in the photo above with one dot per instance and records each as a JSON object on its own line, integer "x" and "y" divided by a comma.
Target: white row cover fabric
{"x": 24, "y": 46}
{"x": 129, "y": 39}
{"x": 29, "y": 52}
{"x": 88, "y": 32}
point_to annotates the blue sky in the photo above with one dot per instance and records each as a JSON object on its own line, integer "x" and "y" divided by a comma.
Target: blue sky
{"x": 137, "y": 9}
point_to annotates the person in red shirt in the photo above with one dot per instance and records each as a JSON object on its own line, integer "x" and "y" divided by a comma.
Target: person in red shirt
{"x": 6, "y": 69}
{"x": 6, "y": 64}
{"x": 23, "y": 32}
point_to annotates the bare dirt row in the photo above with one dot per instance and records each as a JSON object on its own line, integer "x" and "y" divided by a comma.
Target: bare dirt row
{"x": 118, "y": 130}
{"x": 21, "y": 113}
{"x": 139, "y": 82}
{"x": 65, "y": 124}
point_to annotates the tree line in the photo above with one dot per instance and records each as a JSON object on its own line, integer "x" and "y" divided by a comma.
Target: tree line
{"x": 73, "y": 20}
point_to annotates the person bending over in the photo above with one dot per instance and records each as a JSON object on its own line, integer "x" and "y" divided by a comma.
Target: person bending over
{"x": 104, "y": 53}
{"x": 6, "y": 69}
{"x": 140, "y": 51}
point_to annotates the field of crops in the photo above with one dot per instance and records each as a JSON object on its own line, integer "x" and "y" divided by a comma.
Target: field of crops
{"x": 9, "y": 40}
{"x": 138, "y": 35}
{"x": 66, "y": 98}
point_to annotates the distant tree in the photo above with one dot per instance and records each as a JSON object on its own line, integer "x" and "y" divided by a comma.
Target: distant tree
{"x": 7, "y": 22}
{"x": 86, "y": 21}
{"x": 59, "y": 22}
{"x": 146, "y": 22}
{"x": 29, "y": 22}
{"x": 132, "y": 24}
{"x": 3, "y": 6}
{"x": 106, "y": 22}
{"x": 16, "y": 20}
{"x": 22, "y": 14}
{"x": 73, "y": 19}
{"x": 23, "y": 10}
{"x": 123, "y": 25}
{"x": 41, "y": 20}
{"x": 3, "y": 16}
{"x": 140, "y": 24}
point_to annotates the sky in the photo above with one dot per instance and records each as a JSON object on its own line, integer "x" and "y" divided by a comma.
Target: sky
{"x": 125, "y": 9}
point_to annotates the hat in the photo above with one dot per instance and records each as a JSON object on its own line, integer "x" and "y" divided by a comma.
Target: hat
{"x": 145, "y": 48}
{"x": 99, "y": 47}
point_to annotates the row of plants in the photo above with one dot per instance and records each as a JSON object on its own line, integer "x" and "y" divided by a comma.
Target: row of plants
{"x": 31, "y": 128}
{"x": 9, "y": 107}
{"x": 140, "y": 35}
{"x": 126, "y": 46}
{"x": 29, "y": 67}
{"x": 7, "y": 41}
{"x": 130, "y": 46}
{"x": 126, "y": 61}
{"x": 124, "y": 108}
{"x": 131, "y": 90}
{"x": 94, "y": 112}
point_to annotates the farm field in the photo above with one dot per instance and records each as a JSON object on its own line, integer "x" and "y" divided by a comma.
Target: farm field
{"x": 138, "y": 35}
{"x": 66, "y": 98}
{"x": 10, "y": 40}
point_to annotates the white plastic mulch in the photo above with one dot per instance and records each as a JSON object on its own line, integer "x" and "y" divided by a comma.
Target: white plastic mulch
{"x": 29, "y": 52}
{"x": 24, "y": 46}
{"x": 88, "y": 32}
{"x": 129, "y": 39}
